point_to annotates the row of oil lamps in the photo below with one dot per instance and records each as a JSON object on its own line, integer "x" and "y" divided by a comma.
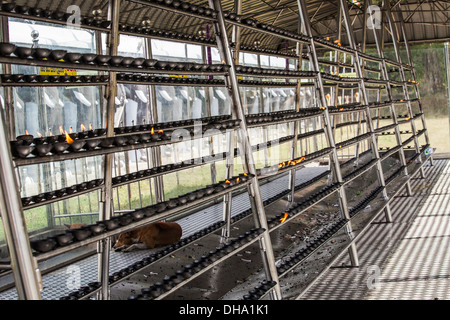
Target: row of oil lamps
{"x": 26, "y": 145}
{"x": 6, "y": 49}
{"x": 196, "y": 266}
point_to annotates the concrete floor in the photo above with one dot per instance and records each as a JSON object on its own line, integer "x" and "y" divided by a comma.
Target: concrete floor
{"x": 407, "y": 259}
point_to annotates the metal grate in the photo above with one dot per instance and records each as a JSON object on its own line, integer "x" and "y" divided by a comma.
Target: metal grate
{"x": 406, "y": 259}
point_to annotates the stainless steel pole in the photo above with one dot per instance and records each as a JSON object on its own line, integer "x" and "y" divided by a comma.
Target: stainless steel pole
{"x": 27, "y": 276}
{"x": 107, "y": 194}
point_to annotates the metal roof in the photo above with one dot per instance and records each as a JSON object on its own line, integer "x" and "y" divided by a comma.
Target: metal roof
{"x": 425, "y": 20}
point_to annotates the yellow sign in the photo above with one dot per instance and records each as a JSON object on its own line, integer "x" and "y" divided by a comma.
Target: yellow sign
{"x": 50, "y": 71}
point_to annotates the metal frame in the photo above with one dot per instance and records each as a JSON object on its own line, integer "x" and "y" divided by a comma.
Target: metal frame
{"x": 24, "y": 264}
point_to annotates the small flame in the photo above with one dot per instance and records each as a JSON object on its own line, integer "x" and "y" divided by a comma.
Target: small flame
{"x": 26, "y": 131}
{"x": 70, "y": 130}
{"x": 39, "y": 134}
{"x": 90, "y": 126}
{"x": 245, "y": 174}
{"x": 68, "y": 138}
{"x": 227, "y": 181}
{"x": 152, "y": 131}
{"x": 160, "y": 131}
{"x": 237, "y": 179}
{"x": 51, "y": 133}
{"x": 83, "y": 127}
{"x": 407, "y": 119}
{"x": 284, "y": 218}
{"x": 61, "y": 129}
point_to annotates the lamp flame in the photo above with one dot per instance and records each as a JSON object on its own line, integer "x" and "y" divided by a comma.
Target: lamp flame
{"x": 39, "y": 134}
{"x": 61, "y": 129}
{"x": 26, "y": 131}
{"x": 90, "y": 126}
{"x": 68, "y": 138}
{"x": 284, "y": 218}
{"x": 83, "y": 127}
{"x": 152, "y": 131}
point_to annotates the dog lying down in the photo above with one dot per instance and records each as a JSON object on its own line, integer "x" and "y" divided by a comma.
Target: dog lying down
{"x": 149, "y": 237}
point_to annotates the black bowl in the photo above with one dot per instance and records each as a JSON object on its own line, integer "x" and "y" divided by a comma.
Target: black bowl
{"x": 31, "y": 77}
{"x": 41, "y": 53}
{"x": 43, "y": 245}
{"x": 96, "y": 228}
{"x": 42, "y": 149}
{"x": 126, "y": 62}
{"x": 149, "y": 63}
{"x": 8, "y": 7}
{"x": 58, "y": 54}
{"x": 77, "y": 145}
{"x": 160, "y": 207}
{"x": 161, "y": 65}
{"x": 81, "y": 233}
{"x": 138, "y": 62}
{"x": 110, "y": 224}
{"x": 73, "y": 57}
{"x": 23, "y": 52}
{"x": 137, "y": 215}
{"x": 125, "y": 219}
{"x": 102, "y": 59}
{"x": 25, "y": 139}
{"x": 64, "y": 239}
{"x": 26, "y": 201}
{"x": 6, "y": 48}
{"x": 120, "y": 141}
{"x": 92, "y": 143}
{"x": 60, "y": 147}
{"x": 116, "y": 61}
{"x": 37, "y": 12}
{"x": 107, "y": 143}
{"x": 22, "y": 151}
{"x": 88, "y": 57}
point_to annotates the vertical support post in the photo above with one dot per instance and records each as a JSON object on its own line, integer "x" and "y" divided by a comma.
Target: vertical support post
{"x": 292, "y": 173}
{"x": 334, "y": 162}
{"x": 155, "y": 152}
{"x": 447, "y": 72}
{"x": 245, "y": 147}
{"x": 107, "y": 194}
{"x": 229, "y": 163}
{"x": 27, "y": 276}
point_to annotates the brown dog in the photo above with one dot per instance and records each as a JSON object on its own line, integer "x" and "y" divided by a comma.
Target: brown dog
{"x": 148, "y": 237}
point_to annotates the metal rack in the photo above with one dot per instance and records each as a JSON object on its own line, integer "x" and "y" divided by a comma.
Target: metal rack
{"x": 24, "y": 262}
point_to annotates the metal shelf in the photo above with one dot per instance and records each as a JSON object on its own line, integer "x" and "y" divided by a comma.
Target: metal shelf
{"x": 136, "y": 224}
